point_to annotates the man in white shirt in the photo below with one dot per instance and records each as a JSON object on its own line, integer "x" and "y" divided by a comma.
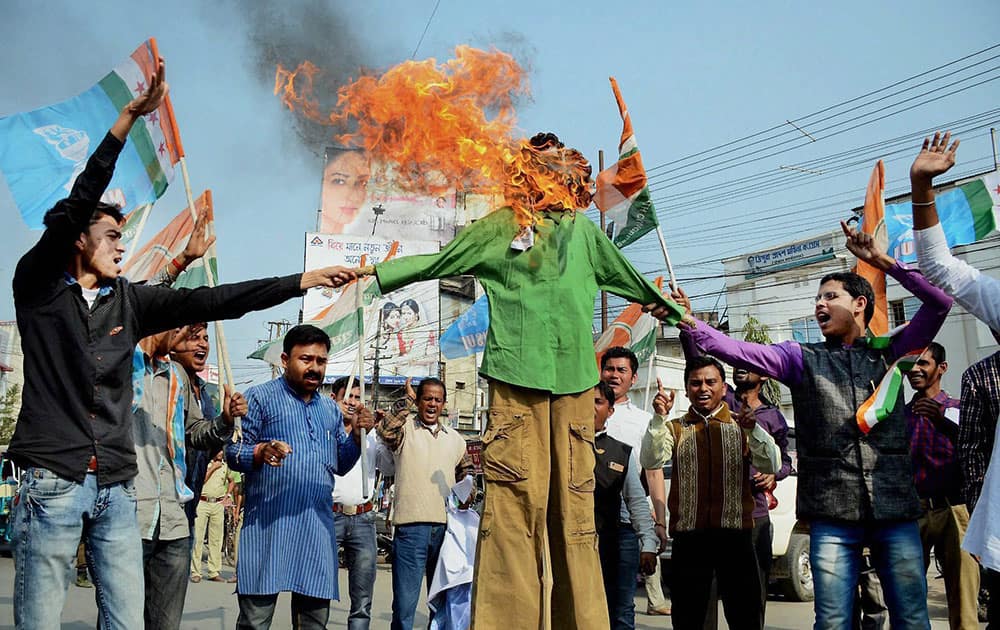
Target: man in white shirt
{"x": 355, "y": 512}
{"x": 975, "y": 291}
{"x": 628, "y": 424}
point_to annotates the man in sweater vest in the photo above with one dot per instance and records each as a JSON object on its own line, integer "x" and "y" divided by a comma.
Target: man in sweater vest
{"x": 427, "y": 454}
{"x": 617, "y": 481}
{"x": 855, "y": 487}
{"x": 711, "y": 503}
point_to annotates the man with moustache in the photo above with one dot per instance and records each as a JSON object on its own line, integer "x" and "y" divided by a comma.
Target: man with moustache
{"x": 932, "y": 420}
{"x": 429, "y": 458}
{"x": 711, "y": 504}
{"x": 293, "y": 445}
{"x": 80, "y": 319}
{"x": 855, "y": 488}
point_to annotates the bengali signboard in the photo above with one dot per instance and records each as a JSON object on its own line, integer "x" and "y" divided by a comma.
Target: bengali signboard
{"x": 401, "y": 327}
{"x": 790, "y": 256}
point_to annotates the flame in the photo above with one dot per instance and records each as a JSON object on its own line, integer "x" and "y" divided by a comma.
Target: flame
{"x": 450, "y": 124}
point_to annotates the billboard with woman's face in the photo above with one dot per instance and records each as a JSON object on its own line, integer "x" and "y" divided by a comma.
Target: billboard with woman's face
{"x": 358, "y": 197}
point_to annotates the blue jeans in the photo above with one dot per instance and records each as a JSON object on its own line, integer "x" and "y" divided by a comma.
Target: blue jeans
{"x": 619, "y": 551}
{"x": 49, "y": 515}
{"x": 897, "y": 555}
{"x": 356, "y": 536}
{"x": 415, "y": 550}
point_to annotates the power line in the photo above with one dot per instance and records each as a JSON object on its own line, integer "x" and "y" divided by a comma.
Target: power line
{"x": 426, "y": 26}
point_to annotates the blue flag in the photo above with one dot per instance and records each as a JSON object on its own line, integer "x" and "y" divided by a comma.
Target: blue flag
{"x": 467, "y": 335}
{"x": 43, "y": 151}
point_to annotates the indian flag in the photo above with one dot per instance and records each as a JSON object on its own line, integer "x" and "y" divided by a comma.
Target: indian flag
{"x": 622, "y": 190}
{"x": 633, "y": 329}
{"x": 882, "y": 402}
{"x": 968, "y": 213}
{"x": 168, "y": 244}
{"x": 44, "y": 150}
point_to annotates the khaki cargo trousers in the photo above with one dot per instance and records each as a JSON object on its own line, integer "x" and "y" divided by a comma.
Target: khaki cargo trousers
{"x": 537, "y": 531}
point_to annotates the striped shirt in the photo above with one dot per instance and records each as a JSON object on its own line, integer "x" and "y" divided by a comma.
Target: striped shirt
{"x": 288, "y": 542}
{"x": 979, "y": 410}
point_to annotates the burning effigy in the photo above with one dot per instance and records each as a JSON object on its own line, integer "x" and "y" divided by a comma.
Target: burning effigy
{"x": 444, "y": 125}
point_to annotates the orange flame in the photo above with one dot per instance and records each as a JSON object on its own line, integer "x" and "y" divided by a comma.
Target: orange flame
{"x": 451, "y": 124}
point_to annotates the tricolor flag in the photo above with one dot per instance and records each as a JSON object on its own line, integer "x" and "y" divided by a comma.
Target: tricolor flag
{"x": 968, "y": 213}
{"x": 342, "y": 320}
{"x": 886, "y": 395}
{"x": 873, "y": 222}
{"x": 622, "y": 190}
{"x": 168, "y": 244}
{"x": 43, "y": 151}
{"x": 633, "y": 329}
{"x": 134, "y": 222}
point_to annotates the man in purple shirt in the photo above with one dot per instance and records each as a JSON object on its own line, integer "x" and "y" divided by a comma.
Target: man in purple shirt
{"x": 855, "y": 488}
{"x": 932, "y": 424}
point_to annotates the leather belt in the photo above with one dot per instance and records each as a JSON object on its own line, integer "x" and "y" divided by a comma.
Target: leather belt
{"x": 351, "y": 510}
{"x": 935, "y": 503}
{"x": 92, "y": 464}
{"x": 211, "y": 500}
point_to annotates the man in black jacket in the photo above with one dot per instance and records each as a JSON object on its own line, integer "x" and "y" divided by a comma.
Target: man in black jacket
{"x": 79, "y": 322}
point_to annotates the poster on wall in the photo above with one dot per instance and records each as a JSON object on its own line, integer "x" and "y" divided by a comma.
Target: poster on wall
{"x": 401, "y": 328}
{"x": 358, "y": 197}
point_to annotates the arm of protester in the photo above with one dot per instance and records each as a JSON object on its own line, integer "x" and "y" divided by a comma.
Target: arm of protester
{"x": 459, "y": 256}
{"x": 935, "y": 158}
{"x": 240, "y": 455}
{"x": 205, "y": 434}
{"x": 782, "y": 361}
{"x": 658, "y": 497}
{"x": 638, "y": 509}
{"x": 688, "y": 345}
{"x": 196, "y": 247}
{"x": 390, "y": 428}
{"x": 658, "y": 440}
{"x": 934, "y": 411}
{"x": 146, "y": 103}
{"x": 764, "y": 453}
{"x": 349, "y": 445}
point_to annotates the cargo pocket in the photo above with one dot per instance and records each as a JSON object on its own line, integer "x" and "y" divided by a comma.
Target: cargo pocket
{"x": 581, "y": 457}
{"x": 504, "y": 458}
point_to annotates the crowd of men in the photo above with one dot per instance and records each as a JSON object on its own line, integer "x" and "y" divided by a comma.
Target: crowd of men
{"x": 127, "y": 450}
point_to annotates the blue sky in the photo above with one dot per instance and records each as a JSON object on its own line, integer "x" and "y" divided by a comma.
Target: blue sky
{"x": 694, "y": 75}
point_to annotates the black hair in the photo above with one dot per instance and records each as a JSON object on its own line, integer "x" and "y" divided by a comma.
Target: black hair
{"x": 856, "y": 286}
{"x": 937, "y": 352}
{"x": 606, "y": 392}
{"x": 341, "y": 384}
{"x": 304, "y": 335}
{"x": 696, "y": 363}
{"x": 429, "y": 381}
{"x": 620, "y": 352}
{"x": 72, "y": 206}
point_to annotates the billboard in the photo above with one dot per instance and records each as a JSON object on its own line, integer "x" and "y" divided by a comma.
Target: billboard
{"x": 358, "y": 197}
{"x": 401, "y": 328}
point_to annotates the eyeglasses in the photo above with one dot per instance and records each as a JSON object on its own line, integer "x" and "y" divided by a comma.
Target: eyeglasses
{"x": 829, "y": 296}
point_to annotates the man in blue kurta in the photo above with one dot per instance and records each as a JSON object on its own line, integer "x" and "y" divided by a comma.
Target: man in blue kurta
{"x": 293, "y": 444}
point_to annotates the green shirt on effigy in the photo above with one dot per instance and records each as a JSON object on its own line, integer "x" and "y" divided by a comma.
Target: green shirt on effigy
{"x": 541, "y": 299}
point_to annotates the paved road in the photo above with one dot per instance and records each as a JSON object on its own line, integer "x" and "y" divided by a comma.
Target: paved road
{"x": 212, "y": 606}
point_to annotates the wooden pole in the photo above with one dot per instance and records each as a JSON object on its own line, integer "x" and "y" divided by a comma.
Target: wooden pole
{"x": 359, "y": 302}
{"x": 220, "y": 336}
{"x": 604, "y": 294}
{"x": 666, "y": 257}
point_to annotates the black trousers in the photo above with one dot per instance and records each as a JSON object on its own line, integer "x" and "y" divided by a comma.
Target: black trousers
{"x": 728, "y": 554}
{"x": 308, "y": 613}
{"x": 762, "y": 535}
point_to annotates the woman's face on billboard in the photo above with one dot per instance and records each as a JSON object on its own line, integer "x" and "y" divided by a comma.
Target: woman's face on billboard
{"x": 345, "y": 184}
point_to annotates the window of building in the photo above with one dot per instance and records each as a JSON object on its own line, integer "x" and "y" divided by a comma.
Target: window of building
{"x": 805, "y": 330}
{"x": 903, "y": 310}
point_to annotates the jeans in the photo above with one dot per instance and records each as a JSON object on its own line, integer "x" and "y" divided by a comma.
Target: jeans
{"x": 50, "y": 514}
{"x": 619, "y": 552}
{"x": 896, "y": 553}
{"x": 415, "y": 551}
{"x": 308, "y": 613}
{"x": 356, "y": 536}
{"x": 165, "y": 568}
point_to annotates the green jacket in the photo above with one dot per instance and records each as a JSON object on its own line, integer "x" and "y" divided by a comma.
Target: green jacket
{"x": 541, "y": 300}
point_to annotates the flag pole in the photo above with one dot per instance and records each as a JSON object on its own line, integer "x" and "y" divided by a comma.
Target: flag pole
{"x": 649, "y": 379}
{"x": 220, "y": 335}
{"x": 359, "y": 302}
{"x": 666, "y": 257}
